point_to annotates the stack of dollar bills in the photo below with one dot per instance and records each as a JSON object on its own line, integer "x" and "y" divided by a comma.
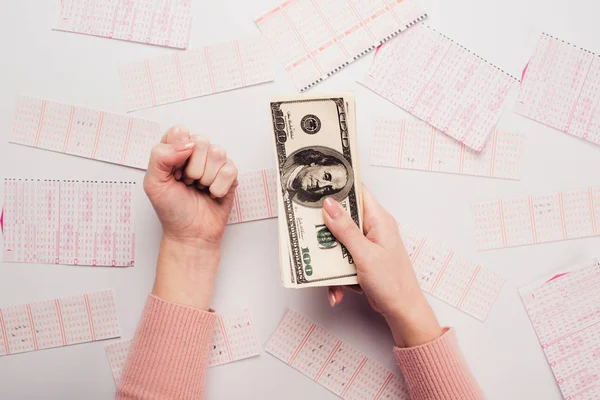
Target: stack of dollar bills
{"x": 317, "y": 157}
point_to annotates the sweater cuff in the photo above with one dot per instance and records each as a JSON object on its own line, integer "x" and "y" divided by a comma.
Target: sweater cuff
{"x": 437, "y": 370}
{"x": 169, "y": 352}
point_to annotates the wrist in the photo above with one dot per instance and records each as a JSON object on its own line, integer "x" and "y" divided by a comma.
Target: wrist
{"x": 413, "y": 323}
{"x": 186, "y": 271}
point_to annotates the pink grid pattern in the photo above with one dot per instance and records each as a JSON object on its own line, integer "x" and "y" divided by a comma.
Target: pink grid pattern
{"x": 117, "y": 357}
{"x": 418, "y": 145}
{"x": 58, "y": 322}
{"x": 537, "y": 219}
{"x": 196, "y": 72}
{"x": 164, "y": 22}
{"x": 255, "y": 197}
{"x": 84, "y": 132}
{"x": 561, "y": 89}
{"x": 68, "y": 222}
{"x": 441, "y": 83}
{"x": 565, "y": 313}
{"x": 315, "y": 39}
{"x": 444, "y": 274}
{"x": 234, "y": 339}
{"x": 331, "y": 362}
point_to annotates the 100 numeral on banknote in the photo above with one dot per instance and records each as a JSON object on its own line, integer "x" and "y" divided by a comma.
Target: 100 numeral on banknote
{"x": 316, "y": 153}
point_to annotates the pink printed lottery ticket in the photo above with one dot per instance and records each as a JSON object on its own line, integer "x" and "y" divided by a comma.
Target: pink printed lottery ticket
{"x": 58, "y": 322}
{"x": 417, "y": 145}
{"x": 255, "y": 197}
{"x": 332, "y": 363}
{"x": 84, "y": 132}
{"x": 564, "y": 309}
{"x": 442, "y": 273}
{"x": 441, "y": 83}
{"x": 163, "y": 23}
{"x": 68, "y": 222}
{"x": 561, "y": 88}
{"x": 197, "y": 72}
{"x": 536, "y": 219}
{"x": 314, "y": 39}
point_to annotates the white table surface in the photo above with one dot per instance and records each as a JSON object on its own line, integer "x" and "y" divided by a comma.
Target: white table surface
{"x": 503, "y": 352}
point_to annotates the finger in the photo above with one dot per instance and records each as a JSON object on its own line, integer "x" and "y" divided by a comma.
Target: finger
{"x": 335, "y": 295}
{"x": 354, "y": 288}
{"x": 175, "y": 134}
{"x": 228, "y": 199}
{"x": 225, "y": 178}
{"x": 164, "y": 157}
{"x": 378, "y": 224}
{"x": 345, "y": 230}
{"x": 178, "y": 174}
{"x": 215, "y": 159}
{"x": 195, "y": 167}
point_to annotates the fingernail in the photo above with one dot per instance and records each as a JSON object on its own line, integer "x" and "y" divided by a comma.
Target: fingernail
{"x": 332, "y": 208}
{"x": 184, "y": 146}
{"x": 331, "y": 299}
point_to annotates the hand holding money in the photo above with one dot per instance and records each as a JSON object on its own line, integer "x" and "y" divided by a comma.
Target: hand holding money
{"x": 315, "y": 144}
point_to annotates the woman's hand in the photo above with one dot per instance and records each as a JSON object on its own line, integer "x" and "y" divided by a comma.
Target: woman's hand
{"x": 385, "y": 272}
{"x": 190, "y": 183}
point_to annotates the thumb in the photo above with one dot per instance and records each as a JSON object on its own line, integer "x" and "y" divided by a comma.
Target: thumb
{"x": 343, "y": 227}
{"x": 165, "y": 157}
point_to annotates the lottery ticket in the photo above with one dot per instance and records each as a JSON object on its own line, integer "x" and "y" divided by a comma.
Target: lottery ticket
{"x": 196, "y": 72}
{"x": 537, "y": 219}
{"x": 68, "y": 222}
{"x": 561, "y": 89}
{"x": 58, "y": 322}
{"x": 234, "y": 339}
{"x": 441, "y": 83}
{"x": 564, "y": 309}
{"x": 255, "y": 197}
{"x": 84, "y": 132}
{"x": 315, "y": 39}
{"x": 442, "y": 273}
{"x": 417, "y": 145}
{"x": 163, "y": 23}
{"x": 332, "y": 363}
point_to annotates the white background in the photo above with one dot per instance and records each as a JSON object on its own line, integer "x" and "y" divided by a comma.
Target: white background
{"x": 503, "y": 352}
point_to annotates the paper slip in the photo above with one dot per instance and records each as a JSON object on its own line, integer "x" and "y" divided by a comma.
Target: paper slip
{"x": 163, "y": 23}
{"x": 58, "y": 322}
{"x": 537, "y": 219}
{"x": 442, "y": 83}
{"x": 68, "y": 222}
{"x": 332, "y": 363}
{"x": 84, "y": 132}
{"x": 255, "y": 197}
{"x": 564, "y": 309}
{"x": 560, "y": 88}
{"x": 417, "y": 145}
{"x": 314, "y": 39}
{"x": 196, "y": 72}
{"x": 443, "y": 274}
{"x": 234, "y": 339}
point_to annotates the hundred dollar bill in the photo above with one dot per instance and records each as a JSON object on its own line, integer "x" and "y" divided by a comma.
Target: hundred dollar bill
{"x": 315, "y": 143}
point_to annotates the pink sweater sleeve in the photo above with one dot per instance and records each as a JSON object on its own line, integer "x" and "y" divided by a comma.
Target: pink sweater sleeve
{"x": 437, "y": 370}
{"x": 169, "y": 354}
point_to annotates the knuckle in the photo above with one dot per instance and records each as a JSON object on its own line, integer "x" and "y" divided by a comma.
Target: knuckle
{"x": 229, "y": 172}
{"x": 179, "y": 129}
{"x": 201, "y": 141}
{"x": 347, "y": 227}
{"x": 218, "y": 152}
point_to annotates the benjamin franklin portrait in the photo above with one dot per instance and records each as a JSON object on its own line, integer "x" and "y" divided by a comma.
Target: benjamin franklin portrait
{"x": 312, "y": 174}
